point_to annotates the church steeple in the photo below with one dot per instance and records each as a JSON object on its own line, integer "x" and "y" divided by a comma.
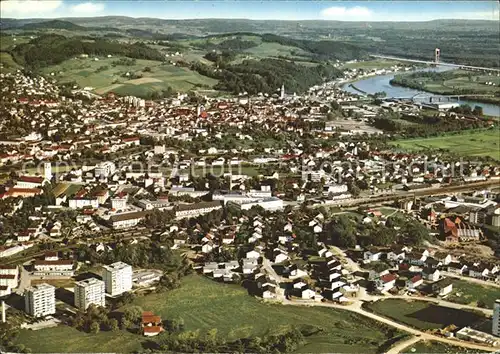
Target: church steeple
{"x": 282, "y": 91}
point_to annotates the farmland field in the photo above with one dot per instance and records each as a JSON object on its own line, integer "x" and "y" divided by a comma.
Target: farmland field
{"x": 473, "y": 143}
{"x": 104, "y": 76}
{"x": 424, "y": 315}
{"x": 204, "y": 304}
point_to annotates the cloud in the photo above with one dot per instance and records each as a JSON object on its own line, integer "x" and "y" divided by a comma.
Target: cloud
{"x": 87, "y": 8}
{"x": 356, "y": 13}
{"x": 28, "y": 8}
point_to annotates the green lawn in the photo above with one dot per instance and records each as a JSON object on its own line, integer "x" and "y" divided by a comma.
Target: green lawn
{"x": 66, "y": 339}
{"x": 84, "y": 71}
{"x": 425, "y": 347}
{"x": 473, "y": 143}
{"x": 204, "y": 304}
{"x": 424, "y": 315}
{"x": 470, "y": 294}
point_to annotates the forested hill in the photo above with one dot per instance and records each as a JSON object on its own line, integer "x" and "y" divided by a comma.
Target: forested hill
{"x": 53, "y": 49}
{"x": 54, "y": 24}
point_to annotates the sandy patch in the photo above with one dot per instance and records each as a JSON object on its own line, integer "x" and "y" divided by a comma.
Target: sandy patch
{"x": 142, "y": 80}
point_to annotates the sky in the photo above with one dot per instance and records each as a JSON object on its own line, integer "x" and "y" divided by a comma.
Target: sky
{"x": 364, "y": 11}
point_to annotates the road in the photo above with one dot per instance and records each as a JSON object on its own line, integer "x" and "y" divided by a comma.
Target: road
{"x": 24, "y": 280}
{"x": 402, "y": 345}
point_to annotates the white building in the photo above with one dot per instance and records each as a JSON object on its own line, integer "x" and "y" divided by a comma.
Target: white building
{"x": 118, "y": 278}
{"x": 196, "y": 209}
{"x": 79, "y": 203}
{"x": 105, "y": 169}
{"x": 271, "y": 204}
{"x": 89, "y": 291}
{"x": 40, "y": 300}
{"x": 496, "y": 318}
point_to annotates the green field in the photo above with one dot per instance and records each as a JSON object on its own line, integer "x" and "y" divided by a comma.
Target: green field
{"x": 204, "y": 304}
{"x": 424, "y": 347}
{"x": 85, "y": 72}
{"x": 424, "y": 315}
{"x": 372, "y": 64}
{"x": 473, "y": 143}
{"x": 7, "y": 64}
{"x": 69, "y": 340}
{"x": 471, "y": 294}
{"x": 462, "y": 80}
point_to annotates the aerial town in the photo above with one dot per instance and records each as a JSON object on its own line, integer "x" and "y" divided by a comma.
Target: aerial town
{"x": 248, "y": 222}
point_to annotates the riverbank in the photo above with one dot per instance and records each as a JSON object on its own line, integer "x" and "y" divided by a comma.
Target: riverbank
{"x": 382, "y": 83}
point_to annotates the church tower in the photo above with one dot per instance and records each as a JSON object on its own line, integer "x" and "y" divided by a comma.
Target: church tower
{"x": 282, "y": 91}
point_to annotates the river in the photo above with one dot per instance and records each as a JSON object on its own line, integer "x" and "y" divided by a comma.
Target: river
{"x": 381, "y": 83}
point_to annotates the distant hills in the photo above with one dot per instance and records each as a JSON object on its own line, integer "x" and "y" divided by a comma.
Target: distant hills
{"x": 53, "y": 24}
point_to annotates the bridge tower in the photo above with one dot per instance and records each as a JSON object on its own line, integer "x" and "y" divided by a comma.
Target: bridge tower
{"x": 437, "y": 54}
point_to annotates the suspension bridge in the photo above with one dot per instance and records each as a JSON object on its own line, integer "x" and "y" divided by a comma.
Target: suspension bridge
{"x": 437, "y": 61}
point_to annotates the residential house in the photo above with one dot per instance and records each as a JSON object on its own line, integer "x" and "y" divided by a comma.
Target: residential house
{"x": 386, "y": 282}
{"x": 443, "y": 287}
{"x": 431, "y": 274}
{"x": 413, "y": 283}
{"x": 151, "y": 324}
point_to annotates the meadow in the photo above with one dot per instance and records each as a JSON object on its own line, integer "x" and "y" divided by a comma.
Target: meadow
{"x": 424, "y": 315}
{"x": 467, "y": 293}
{"x": 424, "y": 347}
{"x": 103, "y": 76}
{"x": 471, "y": 143}
{"x": 204, "y": 304}
{"x": 372, "y": 64}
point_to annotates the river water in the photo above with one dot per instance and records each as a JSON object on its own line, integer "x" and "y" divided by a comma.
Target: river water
{"x": 381, "y": 83}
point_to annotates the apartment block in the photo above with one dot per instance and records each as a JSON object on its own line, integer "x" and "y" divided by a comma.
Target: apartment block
{"x": 118, "y": 278}
{"x": 40, "y": 300}
{"x": 89, "y": 291}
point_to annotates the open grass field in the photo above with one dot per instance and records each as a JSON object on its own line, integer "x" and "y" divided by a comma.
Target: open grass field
{"x": 424, "y": 315}
{"x": 471, "y": 294}
{"x": 103, "y": 77}
{"x": 64, "y": 339}
{"x": 205, "y": 304}
{"x": 424, "y": 347}
{"x": 7, "y": 63}
{"x": 372, "y": 64}
{"x": 473, "y": 143}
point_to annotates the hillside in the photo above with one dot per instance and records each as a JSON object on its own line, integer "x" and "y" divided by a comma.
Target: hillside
{"x": 54, "y": 49}
{"x": 54, "y": 24}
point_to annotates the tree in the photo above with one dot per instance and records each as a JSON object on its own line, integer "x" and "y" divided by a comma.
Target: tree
{"x": 147, "y": 69}
{"x": 94, "y": 327}
{"x": 132, "y": 314}
{"x": 113, "y": 324}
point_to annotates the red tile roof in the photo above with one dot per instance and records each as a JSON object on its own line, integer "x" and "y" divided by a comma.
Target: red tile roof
{"x": 388, "y": 278}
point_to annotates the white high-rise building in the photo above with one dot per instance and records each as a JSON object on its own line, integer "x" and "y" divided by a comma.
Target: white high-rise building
{"x": 89, "y": 291}
{"x": 47, "y": 171}
{"x": 496, "y": 318}
{"x": 40, "y": 300}
{"x": 118, "y": 278}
